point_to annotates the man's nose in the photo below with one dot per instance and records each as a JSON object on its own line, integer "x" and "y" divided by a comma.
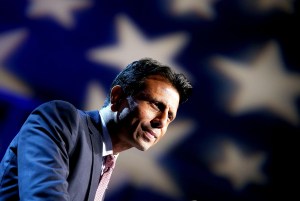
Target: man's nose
{"x": 160, "y": 120}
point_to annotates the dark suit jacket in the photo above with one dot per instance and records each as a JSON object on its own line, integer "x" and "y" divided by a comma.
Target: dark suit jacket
{"x": 57, "y": 155}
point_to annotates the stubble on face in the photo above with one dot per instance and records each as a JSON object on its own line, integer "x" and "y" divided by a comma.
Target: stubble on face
{"x": 132, "y": 132}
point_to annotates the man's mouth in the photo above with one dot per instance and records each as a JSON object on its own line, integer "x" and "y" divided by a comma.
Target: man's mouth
{"x": 150, "y": 135}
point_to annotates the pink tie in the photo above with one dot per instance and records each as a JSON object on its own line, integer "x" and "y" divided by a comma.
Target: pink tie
{"x": 108, "y": 168}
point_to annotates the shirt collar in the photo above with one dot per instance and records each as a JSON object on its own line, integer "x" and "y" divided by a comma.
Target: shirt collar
{"x": 107, "y": 144}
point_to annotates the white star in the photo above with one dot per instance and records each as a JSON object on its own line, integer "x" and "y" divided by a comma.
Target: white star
{"x": 143, "y": 169}
{"x": 201, "y": 8}
{"x": 133, "y": 45}
{"x": 60, "y": 10}
{"x": 95, "y": 96}
{"x": 9, "y": 41}
{"x": 9, "y": 82}
{"x": 263, "y": 83}
{"x": 239, "y": 167}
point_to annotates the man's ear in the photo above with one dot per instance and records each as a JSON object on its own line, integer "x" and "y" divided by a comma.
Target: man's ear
{"x": 116, "y": 96}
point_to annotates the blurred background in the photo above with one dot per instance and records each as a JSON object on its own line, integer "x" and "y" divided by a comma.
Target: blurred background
{"x": 242, "y": 57}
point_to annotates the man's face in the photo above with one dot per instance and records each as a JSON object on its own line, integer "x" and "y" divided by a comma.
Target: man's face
{"x": 144, "y": 117}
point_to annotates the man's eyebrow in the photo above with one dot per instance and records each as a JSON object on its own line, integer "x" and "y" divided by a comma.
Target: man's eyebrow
{"x": 144, "y": 95}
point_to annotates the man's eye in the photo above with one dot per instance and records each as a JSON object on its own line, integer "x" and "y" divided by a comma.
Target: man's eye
{"x": 156, "y": 105}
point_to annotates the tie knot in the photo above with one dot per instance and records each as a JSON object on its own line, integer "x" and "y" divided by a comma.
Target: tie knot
{"x": 109, "y": 161}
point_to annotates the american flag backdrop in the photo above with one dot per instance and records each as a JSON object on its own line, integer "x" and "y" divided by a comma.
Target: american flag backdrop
{"x": 242, "y": 57}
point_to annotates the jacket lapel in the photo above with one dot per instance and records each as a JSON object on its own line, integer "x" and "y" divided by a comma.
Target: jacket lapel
{"x": 95, "y": 129}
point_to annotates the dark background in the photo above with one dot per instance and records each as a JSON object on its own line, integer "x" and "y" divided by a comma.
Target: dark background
{"x": 242, "y": 57}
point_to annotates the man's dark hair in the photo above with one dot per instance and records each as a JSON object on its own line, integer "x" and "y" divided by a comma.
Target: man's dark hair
{"x": 132, "y": 78}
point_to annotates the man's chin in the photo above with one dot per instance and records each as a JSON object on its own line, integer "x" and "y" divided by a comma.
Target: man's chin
{"x": 143, "y": 146}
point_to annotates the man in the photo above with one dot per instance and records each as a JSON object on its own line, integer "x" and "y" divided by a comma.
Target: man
{"x": 59, "y": 152}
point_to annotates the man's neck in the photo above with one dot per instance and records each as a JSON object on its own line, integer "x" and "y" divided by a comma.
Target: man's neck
{"x": 109, "y": 119}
